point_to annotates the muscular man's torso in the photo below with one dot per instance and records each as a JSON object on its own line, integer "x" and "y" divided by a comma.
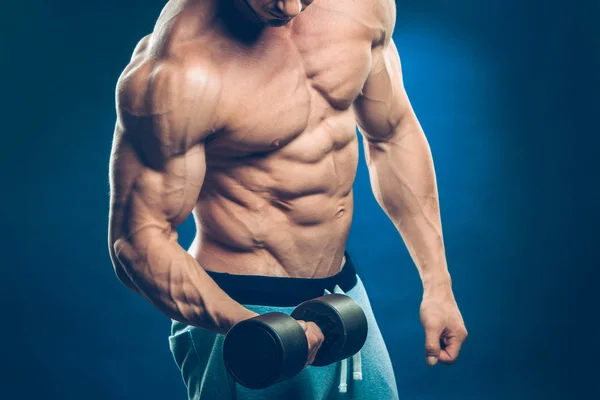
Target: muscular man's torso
{"x": 277, "y": 194}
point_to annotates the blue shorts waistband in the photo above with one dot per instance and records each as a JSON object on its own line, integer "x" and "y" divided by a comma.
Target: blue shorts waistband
{"x": 282, "y": 291}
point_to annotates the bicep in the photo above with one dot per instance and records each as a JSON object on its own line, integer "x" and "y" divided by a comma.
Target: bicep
{"x": 384, "y": 104}
{"x": 149, "y": 197}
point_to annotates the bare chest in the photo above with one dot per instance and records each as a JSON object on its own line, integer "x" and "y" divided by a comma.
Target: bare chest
{"x": 292, "y": 80}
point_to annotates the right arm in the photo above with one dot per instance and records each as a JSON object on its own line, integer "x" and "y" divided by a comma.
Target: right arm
{"x": 157, "y": 169}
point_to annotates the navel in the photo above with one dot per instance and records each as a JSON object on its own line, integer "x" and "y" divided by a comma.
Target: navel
{"x": 340, "y": 212}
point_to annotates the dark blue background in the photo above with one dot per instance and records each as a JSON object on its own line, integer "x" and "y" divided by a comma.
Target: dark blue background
{"x": 508, "y": 95}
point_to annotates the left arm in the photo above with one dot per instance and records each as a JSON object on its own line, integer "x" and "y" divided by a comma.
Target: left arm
{"x": 401, "y": 168}
{"x": 403, "y": 181}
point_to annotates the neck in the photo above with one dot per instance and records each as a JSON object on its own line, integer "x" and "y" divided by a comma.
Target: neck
{"x": 240, "y": 20}
{"x": 246, "y": 14}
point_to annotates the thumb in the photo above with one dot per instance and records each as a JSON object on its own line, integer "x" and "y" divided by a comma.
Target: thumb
{"x": 432, "y": 344}
{"x": 303, "y": 325}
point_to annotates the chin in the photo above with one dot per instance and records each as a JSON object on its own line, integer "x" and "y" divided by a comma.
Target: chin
{"x": 277, "y": 22}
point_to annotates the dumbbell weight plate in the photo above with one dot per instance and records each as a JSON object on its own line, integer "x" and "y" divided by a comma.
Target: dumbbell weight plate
{"x": 264, "y": 350}
{"x": 343, "y": 323}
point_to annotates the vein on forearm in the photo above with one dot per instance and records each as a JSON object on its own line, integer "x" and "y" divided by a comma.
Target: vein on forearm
{"x": 403, "y": 180}
{"x": 408, "y": 188}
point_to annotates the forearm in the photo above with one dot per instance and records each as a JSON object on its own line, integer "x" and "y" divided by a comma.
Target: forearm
{"x": 404, "y": 183}
{"x": 173, "y": 281}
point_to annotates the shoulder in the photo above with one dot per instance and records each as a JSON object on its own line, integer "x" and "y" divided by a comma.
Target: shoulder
{"x": 149, "y": 86}
{"x": 385, "y": 12}
{"x": 178, "y": 91}
{"x": 379, "y": 16}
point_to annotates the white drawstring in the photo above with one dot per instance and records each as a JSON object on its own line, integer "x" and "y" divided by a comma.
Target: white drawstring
{"x": 356, "y": 367}
{"x": 343, "y": 388}
{"x": 356, "y": 360}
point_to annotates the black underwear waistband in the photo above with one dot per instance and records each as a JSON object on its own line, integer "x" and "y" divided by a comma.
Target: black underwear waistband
{"x": 282, "y": 292}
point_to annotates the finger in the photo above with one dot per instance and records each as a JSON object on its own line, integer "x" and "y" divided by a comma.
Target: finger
{"x": 450, "y": 353}
{"x": 313, "y": 347}
{"x": 315, "y": 339}
{"x": 432, "y": 344}
{"x": 316, "y": 334}
{"x": 310, "y": 359}
{"x": 303, "y": 325}
{"x": 314, "y": 328}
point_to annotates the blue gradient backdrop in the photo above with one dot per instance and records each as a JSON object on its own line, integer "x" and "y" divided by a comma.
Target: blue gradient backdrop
{"x": 508, "y": 95}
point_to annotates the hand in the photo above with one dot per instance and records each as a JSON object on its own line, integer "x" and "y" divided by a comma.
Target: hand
{"x": 315, "y": 339}
{"x": 445, "y": 329}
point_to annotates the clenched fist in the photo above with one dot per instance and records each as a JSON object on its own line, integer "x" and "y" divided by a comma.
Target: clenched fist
{"x": 445, "y": 329}
{"x": 315, "y": 339}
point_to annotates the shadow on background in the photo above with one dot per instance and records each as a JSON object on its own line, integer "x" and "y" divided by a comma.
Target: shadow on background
{"x": 507, "y": 94}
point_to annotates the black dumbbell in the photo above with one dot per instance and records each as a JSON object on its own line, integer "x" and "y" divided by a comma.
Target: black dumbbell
{"x": 271, "y": 348}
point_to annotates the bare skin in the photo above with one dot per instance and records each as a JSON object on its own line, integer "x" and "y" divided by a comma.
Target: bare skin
{"x": 243, "y": 112}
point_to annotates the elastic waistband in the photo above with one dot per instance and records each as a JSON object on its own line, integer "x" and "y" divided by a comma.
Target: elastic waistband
{"x": 280, "y": 291}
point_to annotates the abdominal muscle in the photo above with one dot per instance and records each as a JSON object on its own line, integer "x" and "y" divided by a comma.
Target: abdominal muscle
{"x": 285, "y": 214}
{"x": 285, "y": 248}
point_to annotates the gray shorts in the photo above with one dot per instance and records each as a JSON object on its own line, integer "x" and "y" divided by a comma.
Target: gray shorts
{"x": 367, "y": 375}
